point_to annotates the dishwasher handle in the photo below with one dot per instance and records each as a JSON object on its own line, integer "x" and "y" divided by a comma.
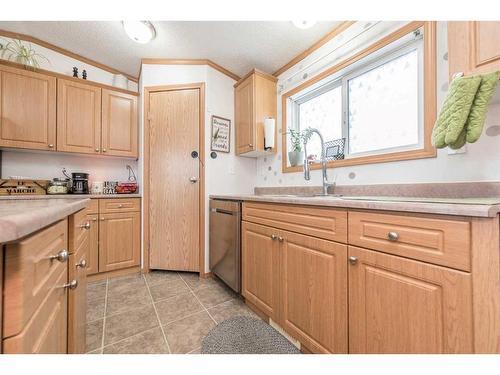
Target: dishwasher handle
{"x": 220, "y": 211}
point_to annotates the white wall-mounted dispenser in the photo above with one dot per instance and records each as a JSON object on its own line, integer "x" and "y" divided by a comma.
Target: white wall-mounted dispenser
{"x": 269, "y": 132}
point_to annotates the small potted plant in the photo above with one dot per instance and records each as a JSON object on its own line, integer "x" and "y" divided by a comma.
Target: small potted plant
{"x": 16, "y": 51}
{"x": 297, "y": 139}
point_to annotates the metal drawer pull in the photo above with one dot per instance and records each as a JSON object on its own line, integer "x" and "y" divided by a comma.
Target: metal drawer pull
{"x": 353, "y": 260}
{"x": 250, "y": 145}
{"x": 82, "y": 264}
{"x": 120, "y": 206}
{"x": 73, "y": 284}
{"x": 85, "y": 226}
{"x": 96, "y": 150}
{"x": 62, "y": 256}
{"x": 393, "y": 236}
{"x": 51, "y": 145}
{"x": 280, "y": 239}
{"x": 274, "y": 237}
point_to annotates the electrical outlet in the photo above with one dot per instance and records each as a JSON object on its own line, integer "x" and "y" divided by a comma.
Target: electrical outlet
{"x": 462, "y": 150}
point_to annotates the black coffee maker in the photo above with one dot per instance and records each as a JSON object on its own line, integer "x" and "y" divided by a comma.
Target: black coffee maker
{"x": 79, "y": 183}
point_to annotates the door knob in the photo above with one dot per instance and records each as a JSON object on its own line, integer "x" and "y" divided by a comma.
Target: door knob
{"x": 193, "y": 179}
{"x": 353, "y": 260}
{"x": 73, "y": 284}
{"x": 62, "y": 256}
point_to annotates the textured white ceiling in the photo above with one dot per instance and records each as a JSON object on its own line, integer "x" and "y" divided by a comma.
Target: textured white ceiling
{"x": 236, "y": 45}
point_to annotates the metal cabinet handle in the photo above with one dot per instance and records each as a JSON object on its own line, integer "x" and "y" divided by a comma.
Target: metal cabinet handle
{"x": 85, "y": 226}
{"x": 353, "y": 260}
{"x": 97, "y": 150}
{"x": 274, "y": 237}
{"x": 94, "y": 219}
{"x": 62, "y": 256}
{"x": 393, "y": 236}
{"x": 280, "y": 239}
{"x": 193, "y": 180}
{"x": 103, "y": 150}
{"x": 73, "y": 284}
{"x": 102, "y": 219}
{"x": 51, "y": 145}
{"x": 120, "y": 206}
{"x": 82, "y": 264}
{"x": 250, "y": 145}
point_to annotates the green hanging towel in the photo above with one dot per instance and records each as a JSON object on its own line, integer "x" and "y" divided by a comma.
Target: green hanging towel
{"x": 477, "y": 115}
{"x": 455, "y": 110}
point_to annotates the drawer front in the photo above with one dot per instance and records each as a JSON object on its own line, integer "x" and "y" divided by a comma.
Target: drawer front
{"x": 327, "y": 223}
{"x": 439, "y": 241}
{"x": 107, "y": 206}
{"x": 78, "y": 229}
{"x": 93, "y": 206}
{"x": 30, "y": 274}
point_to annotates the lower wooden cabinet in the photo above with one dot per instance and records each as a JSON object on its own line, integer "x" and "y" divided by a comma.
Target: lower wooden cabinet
{"x": 119, "y": 240}
{"x": 260, "y": 268}
{"x": 314, "y": 292}
{"x": 93, "y": 250}
{"x": 397, "y": 305}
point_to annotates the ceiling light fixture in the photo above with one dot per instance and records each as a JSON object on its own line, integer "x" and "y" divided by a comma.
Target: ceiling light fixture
{"x": 139, "y": 31}
{"x": 304, "y": 24}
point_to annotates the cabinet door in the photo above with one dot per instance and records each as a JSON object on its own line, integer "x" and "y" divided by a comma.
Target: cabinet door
{"x": 21, "y": 90}
{"x": 119, "y": 124}
{"x": 93, "y": 255}
{"x": 77, "y": 299}
{"x": 397, "y": 305}
{"x": 78, "y": 117}
{"x": 260, "y": 267}
{"x": 473, "y": 46}
{"x": 245, "y": 116}
{"x": 119, "y": 241}
{"x": 314, "y": 292}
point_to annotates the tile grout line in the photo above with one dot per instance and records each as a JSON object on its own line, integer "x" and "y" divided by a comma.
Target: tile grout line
{"x": 202, "y": 305}
{"x": 157, "y": 316}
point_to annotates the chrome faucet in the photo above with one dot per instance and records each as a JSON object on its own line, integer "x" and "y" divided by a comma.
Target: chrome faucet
{"x": 307, "y": 174}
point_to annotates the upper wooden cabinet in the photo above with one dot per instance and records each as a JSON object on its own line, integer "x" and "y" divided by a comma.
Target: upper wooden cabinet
{"x": 119, "y": 124}
{"x": 255, "y": 100}
{"x": 27, "y": 109}
{"x": 473, "y": 47}
{"x": 78, "y": 117}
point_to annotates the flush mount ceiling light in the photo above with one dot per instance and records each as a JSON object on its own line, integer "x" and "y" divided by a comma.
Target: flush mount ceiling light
{"x": 139, "y": 31}
{"x": 304, "y": 24}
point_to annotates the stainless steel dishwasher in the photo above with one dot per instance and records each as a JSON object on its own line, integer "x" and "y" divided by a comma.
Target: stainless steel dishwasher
{"x": 225, "y": 241}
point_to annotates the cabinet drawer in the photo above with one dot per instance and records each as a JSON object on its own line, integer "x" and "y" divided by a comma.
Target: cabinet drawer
{"x": 30, "y": 274}
{"x": 439, "y": 241}
{"x": 78, "y": 229}
{"x": 112, "y": 205}
{"x": 93, "y": 206}
{"x": 327, "y": 223}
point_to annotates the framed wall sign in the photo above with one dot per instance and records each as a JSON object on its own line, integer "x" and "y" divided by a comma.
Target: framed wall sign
{"x": 221, "y": 134}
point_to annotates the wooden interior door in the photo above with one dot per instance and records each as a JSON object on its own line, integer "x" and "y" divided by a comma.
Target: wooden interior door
{"x": 174, "y": 198}
{"x": 119, "y": 124}
{"x": 78, "y": 117}
{"x": 93, "y": 255}
{"x": 119, "y": 240}
{"x": 314, "y": 292}
{"x": 245, "y": 117}
{"x": 260, "y": 267}
{"x": 77, "y": 298}
{"x": 397, "y": 305}
{"x": 27, "y": 109}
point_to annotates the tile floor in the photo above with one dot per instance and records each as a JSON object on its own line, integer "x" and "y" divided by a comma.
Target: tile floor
{"x": 160, "y": 312}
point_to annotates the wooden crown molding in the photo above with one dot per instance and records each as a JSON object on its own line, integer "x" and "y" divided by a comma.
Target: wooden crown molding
{"x": 160, "y": 61}
{"x": 257, "y": 72}
{"x": 301, "y": 56}
{"x": 29, "y": 38}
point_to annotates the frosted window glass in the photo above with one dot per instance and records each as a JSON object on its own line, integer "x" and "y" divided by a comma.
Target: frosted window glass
{"x": 323, "y": 112}
{"x": 383, "y": 106}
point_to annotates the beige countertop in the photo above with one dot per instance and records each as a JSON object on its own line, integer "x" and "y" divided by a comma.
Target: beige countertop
{"x": 476, "y": 207}
{"x": 69, "y": 196}
{"x": 19, "y": 218}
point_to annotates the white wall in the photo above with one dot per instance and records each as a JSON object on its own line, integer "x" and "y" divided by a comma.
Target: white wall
{"x": 480, "y": 162}
{"x": 63, "y": 64}
{"x": 227, "y": 173}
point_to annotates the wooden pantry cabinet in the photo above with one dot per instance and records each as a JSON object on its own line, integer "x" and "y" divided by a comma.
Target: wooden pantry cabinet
{"x": 86, "y": 117}
{"x": 27, "y": 109}
{"x": 473, "y": 47}
{"x": 351, "y": 281}
{"x": 115, "y": 228}
{"x": 254, "y": 101}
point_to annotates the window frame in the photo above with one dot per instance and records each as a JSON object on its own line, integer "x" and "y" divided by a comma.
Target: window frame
{"x": 427, "y": 100}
